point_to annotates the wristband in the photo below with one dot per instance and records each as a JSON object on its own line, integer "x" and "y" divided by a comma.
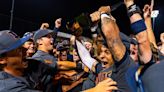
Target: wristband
{"x": 103, "y": 15}
{"x": 138, "y": 26}
{"x": 133, "y": 9}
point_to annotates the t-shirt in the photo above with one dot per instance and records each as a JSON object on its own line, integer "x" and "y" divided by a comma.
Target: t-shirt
{"x": 9, "y": 83}
{"x": 124, "y": 74}
{"x": 47, "y": 80}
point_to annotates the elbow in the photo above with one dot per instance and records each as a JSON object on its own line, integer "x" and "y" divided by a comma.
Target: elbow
{"x": 142, "y": 37}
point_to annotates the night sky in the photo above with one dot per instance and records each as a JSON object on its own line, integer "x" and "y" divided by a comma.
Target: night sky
{"x": 29, "y": 14}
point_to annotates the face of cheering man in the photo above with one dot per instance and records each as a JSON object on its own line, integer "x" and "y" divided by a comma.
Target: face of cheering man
{"x": 105, "y": 57}
{"x": 46, "y": 43}
{"x": 14, "y": 61}
{"x": 29, "y": 45}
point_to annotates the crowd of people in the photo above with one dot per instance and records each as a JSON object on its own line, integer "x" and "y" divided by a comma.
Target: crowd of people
{"x": 109, "y": 62}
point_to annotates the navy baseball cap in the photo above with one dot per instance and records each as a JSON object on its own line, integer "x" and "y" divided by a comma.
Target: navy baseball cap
{"x": 10, "y": 41}
{"x": 127, "y": 40}
{"x": 42, "y": 32}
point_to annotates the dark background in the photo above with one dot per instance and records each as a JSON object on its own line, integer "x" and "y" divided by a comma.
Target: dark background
{"x": 29, "y": 14}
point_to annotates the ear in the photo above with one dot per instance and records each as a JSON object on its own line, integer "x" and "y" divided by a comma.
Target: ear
{"x": 39, "y": 41}
{"x": 3, "y": 61}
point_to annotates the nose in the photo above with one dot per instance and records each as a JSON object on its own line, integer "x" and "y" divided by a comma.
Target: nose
{"x": 32, "y": 45}
{"x": 102, "y": 56}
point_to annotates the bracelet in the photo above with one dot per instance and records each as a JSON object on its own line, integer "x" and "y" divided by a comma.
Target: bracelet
{"x": 133, "y": 9}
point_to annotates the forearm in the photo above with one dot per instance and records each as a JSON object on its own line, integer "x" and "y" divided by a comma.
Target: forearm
{"x": 145, "y": 53}
{"x": 114, "y": 42}
{"x": 149, "y": 30}
{"x": 66, "y": 65}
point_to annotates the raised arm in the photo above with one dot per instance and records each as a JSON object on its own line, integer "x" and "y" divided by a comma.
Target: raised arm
{"x": 139, "y": 28}
{"x": 111, "y": 33}
{"x": 147, "y": 16}
{"x": 44, "y": 26}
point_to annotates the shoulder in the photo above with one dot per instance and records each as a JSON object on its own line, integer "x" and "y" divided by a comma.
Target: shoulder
{"x": 12, "y": 84}
{"x": 153, "y": 78}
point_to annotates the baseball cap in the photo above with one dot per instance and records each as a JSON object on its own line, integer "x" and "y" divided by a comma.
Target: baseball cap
{"x": 127, "y": 40}
{"x": 29, "y": 34}
{"x": 10, "y": 41}
{"x": 42, "y": 32}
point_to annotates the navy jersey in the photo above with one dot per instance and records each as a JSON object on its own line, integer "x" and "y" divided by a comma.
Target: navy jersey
{"x": 124, "y": 74}
{"x": 51, "y": 61}
{"x": 9, "y": 83}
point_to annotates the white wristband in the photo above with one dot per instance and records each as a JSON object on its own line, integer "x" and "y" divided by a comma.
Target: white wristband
{"x": 104, "y": 15}
{"x": 93, "y": 29}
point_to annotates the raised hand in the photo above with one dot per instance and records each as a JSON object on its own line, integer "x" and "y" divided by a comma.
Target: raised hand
{"x": 147, "y": 11}
{"x": 58, "y": 22}
{"x": 95, "y": 16}
{"x": 44, "y": 26}
{"x": 128, "y": 2}
{"x": 104, "y": 9}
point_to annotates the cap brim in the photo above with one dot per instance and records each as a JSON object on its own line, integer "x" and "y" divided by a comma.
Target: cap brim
{"x": 17, "y": 44}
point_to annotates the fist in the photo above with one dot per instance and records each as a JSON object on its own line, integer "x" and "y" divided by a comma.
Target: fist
{"x": 104, "y": 9}
{"x": 128, "y": 2}
{"x": 147, "y": 11}
{"x": 44, "y": 26}
{"x": 95, "y": 16}
{"x": 58, "y": 22}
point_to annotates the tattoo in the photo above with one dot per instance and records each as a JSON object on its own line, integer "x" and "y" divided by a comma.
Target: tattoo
{"x": 111, "y": 33}
{"x": 117, "y": 49}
